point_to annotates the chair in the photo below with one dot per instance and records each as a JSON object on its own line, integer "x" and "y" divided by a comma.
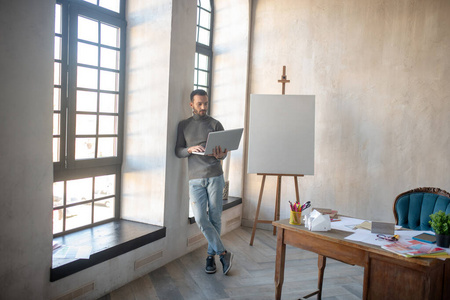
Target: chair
{"x": 412, "y": 209}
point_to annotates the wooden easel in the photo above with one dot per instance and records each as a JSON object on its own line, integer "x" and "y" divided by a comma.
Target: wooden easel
{"x": 276, "y": 216}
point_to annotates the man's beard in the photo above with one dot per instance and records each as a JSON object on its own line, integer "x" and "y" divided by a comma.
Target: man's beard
{"x": 199, "y": 112}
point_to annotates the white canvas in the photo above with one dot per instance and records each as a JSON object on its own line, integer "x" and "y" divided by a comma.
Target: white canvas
{"x": 281, "y": 134}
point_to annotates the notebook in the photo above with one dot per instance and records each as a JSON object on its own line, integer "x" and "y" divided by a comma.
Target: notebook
{"x": 226, "y": 139}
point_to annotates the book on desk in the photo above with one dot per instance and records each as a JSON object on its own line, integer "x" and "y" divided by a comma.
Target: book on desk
{"x": 414, "y": 248}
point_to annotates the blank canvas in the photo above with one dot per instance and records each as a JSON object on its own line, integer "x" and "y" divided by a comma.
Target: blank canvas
{"x": 281, "y": 134}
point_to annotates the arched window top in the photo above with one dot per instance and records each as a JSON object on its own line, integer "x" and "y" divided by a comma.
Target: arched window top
{"x": 203, "y": 52}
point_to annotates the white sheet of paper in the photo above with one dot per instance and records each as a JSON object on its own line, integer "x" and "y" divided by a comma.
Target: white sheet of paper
{"x": 70, "y": 252}
{"x": 346, "y": 224}
{"x": 365, "y": 236}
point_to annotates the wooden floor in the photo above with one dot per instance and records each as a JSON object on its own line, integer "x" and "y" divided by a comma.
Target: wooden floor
{"x": 251, "y": 277}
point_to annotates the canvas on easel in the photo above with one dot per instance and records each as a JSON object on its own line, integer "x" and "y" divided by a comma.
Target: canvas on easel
{"x": 281, "y": 134}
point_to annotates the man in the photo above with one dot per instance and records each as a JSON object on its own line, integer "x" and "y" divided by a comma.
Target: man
{"x": 205, "y": 177}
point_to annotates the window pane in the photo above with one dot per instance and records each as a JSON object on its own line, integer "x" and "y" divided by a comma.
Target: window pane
{"x": 107, "y": 125}
{"x": 57, "y": 99}
{"x": 198, "y": 15}
{"x": 205, "y": 4}
{"x": 56, "y": 122}
{"x": 205, "y": 19}
{"x": 58, "y": 220}
{"x": 87, "y": 78}
{"x": 79, "y": 190}
{"x": 113, "y": 5}
{"x": 77, "y": 216}
{"x": 56, "y": 152}
{"x": 58, "y": 28}
{"x": 86, "y": 101}
{"x": 57, "y": 73}
{"x": 109, "y": 58}
{"x": 110, "y": 35}
{"x": 202, "y": 78}
{"x": 91, "y": 1}
{"x": 57, "y": 47}
{"x": 195, "y": 77}
{"x": 58, "y": 193}
{"x": 109, "y": 103}
{"x": 107, "y": 147}
{"x": 87, "y": 29}
{"x": 104, "y": 209}
{"x": 87, "y": 54}
{"x": 203, "y": 37}
{"x": 105, "y": 186}
{"x": 203, "y": 62}
{"x": 86, "y": 124}
{"x": 109, "y": 81}
{"x": 84, "y": 148}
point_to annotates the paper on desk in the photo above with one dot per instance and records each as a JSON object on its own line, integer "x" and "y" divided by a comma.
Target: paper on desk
{"x": 365, "y": 236}
{"x": 346, "y": 224}
{"x": 70, "y": 252}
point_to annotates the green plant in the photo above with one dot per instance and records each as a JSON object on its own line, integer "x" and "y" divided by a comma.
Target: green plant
{"x": 440, "y": 222}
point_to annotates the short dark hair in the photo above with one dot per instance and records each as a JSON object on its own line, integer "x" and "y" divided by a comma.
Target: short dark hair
{"x": 198, "y": 92}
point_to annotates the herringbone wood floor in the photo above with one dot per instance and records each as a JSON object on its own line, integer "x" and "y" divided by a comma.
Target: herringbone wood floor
{"x": 251, "y": 277}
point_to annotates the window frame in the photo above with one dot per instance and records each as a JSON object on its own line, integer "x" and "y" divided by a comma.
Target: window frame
{"x": 68, "y": 168}
{"x": 204, "y": 49}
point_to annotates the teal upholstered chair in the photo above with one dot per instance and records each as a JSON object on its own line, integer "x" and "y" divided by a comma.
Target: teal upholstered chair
{"x": 412, "y": 209}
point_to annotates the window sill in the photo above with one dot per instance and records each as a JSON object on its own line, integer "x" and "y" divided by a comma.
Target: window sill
{"x": 227, "y": 204}
{"x": 107, "y": 241}
{"x": 111, "y": 240}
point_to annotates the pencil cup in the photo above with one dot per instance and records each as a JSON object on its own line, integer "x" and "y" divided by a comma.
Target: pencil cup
{"x": 296, "y": 218}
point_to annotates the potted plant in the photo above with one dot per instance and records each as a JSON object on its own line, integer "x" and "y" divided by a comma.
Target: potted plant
{"x": 440, "y": 222}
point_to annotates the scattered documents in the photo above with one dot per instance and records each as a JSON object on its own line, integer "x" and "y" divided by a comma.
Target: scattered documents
{"x": 71, "y": 252}
{"x": 413, "y": 248}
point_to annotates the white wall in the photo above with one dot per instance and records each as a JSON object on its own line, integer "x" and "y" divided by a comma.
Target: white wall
{"x": 379, "y": 70}
{"x": 26, "y": 169}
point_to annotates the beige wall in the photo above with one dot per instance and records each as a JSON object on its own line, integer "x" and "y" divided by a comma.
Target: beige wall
{"x": 26, "y": 168}
{"x": 380, "y": 71}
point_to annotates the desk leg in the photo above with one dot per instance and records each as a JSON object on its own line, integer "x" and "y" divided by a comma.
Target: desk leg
{"x": 321, "y": 264}
{"x": 279, "y": 263}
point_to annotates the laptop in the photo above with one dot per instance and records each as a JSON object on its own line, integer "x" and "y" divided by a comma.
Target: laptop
{"x": 226, "y": 139}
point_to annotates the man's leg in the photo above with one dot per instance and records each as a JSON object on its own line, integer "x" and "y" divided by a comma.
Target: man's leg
{"x": 215, "y": 193}
{"x": 215, "y": 201}
{"x": 199, "y": 199}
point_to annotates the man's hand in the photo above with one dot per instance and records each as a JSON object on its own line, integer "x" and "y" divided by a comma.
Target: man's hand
{"x": 218, "y": 153}
{"x": 197, "y": 148}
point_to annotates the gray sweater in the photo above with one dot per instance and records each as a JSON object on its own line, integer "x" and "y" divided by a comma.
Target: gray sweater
{"x": 192, "y": 132}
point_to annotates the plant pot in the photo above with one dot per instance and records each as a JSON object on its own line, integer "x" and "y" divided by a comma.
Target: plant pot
{"x": 443, "y": 240}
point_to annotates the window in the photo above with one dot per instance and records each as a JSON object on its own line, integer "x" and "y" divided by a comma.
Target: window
{"x": 87, "y": 112}
{"x": 203, "y": 54}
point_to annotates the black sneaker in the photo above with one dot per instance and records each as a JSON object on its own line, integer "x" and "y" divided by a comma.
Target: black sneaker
{"x": 210, "y": 265}
{"x": 226, "y": 261}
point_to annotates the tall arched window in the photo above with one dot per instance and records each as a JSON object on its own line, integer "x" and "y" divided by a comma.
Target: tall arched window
{"x": 89, "y": 67}
{"x": 203, "y": 52}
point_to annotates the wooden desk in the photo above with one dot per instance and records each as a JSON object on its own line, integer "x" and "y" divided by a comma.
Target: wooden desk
{"x": 386, "y": 275}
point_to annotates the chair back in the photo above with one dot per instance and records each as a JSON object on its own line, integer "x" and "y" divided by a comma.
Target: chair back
{"x": 412, "y": 209}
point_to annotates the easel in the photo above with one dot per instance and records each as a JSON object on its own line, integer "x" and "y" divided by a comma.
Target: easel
{"x": 276, "y": 217}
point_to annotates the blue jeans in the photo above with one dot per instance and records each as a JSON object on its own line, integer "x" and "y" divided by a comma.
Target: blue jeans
{"x": 205, "y": 197}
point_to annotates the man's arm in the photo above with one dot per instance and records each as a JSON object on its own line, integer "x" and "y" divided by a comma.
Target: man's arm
{"x": 181, "y": 150}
